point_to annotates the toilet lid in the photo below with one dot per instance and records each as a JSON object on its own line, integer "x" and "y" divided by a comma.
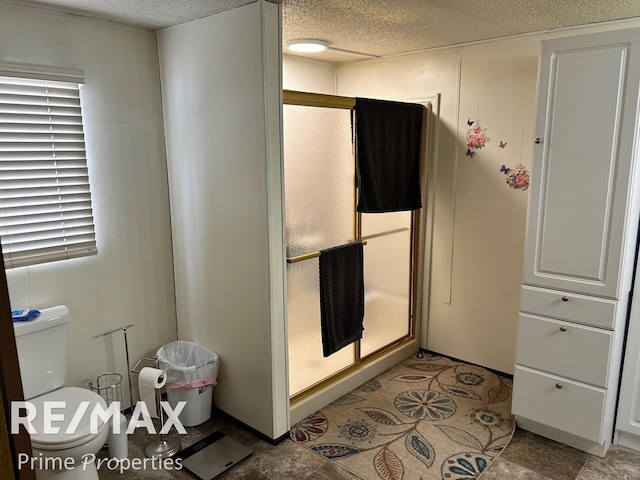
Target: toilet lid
{"x": 72, "y": 397}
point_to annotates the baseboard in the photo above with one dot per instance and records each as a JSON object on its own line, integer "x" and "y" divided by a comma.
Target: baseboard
{"x": 628, "y": 440}
{"x": 599, "y": 449}
{"x": 262, "y": 436}
{"x": 437, "y": 354}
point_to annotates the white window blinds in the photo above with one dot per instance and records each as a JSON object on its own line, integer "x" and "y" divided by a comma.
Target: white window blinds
{"x": 45, "y": 202}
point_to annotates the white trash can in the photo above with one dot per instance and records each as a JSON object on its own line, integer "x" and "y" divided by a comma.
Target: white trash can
{"x": 198, "y": 407}
{"x": 192, "y": 371}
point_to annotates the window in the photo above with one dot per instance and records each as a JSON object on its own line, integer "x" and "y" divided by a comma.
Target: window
{"x": 45, "y": 201}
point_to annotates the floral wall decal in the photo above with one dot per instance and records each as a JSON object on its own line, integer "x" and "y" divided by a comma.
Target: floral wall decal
{"x": 517, "y": 177}
{"x": 476, "y": 137}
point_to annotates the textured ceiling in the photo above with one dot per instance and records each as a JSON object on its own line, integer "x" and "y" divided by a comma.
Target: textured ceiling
{"x": 387, "y": 27}
{"x": 374, "y": 27}
{"x": 149, "y": 14}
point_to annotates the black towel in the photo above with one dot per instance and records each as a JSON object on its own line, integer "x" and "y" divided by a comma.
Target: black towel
{"x": 341, "y": 296}
{"x": 388, "y": 155}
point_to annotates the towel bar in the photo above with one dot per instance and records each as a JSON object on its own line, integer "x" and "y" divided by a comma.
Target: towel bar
{"x": 307, "y": 256}
{"x": 384, "y": 234}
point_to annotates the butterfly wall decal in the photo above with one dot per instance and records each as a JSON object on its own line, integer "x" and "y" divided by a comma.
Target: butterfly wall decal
{"x": 470, "y": 153}
{"x": 470, "y": 122}
{"x": 503, "y": 144}
{"x": 505, "y": 169}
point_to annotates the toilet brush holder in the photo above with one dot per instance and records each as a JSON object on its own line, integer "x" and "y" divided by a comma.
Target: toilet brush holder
{"x": 117, "y": 438}
{"x": 109, "y": 387}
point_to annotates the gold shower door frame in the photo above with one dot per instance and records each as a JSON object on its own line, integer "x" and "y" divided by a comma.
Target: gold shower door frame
{"x": 332, "y": 101}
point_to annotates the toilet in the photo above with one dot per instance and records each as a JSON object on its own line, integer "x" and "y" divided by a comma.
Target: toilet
{"x": 42, "y": 351}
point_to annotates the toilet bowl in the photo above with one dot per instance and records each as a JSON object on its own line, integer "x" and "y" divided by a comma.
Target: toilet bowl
{"x": 73, "y": 451}
{"x": 63, "y": 446}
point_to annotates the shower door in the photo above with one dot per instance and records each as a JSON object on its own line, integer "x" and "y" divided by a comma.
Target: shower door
{"x": 320, "y": 199}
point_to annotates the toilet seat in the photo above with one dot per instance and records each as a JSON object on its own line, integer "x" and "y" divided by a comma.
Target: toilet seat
{"x": 72, "y": 396}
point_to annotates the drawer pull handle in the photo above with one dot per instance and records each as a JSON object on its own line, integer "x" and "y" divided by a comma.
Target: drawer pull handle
{"x": 563, "y": 328}
{"x": 558, "y": 386}
{"x": 565, "y": 299}
{"x": 537, "y": 141}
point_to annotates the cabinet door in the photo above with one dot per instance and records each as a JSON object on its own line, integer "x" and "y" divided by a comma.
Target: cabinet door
{"x": 578, "y": 235}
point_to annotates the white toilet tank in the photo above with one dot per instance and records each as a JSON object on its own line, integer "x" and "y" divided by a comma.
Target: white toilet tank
{"x": 42, "y": 351}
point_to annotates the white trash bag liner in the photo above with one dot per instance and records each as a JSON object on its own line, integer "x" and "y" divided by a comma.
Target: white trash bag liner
{"x": 188, "y": 364}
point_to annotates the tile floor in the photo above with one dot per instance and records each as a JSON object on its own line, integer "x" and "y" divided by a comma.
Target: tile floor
{"x": 528, "y": 457}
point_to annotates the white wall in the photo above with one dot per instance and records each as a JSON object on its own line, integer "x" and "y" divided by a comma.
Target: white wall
{"x": 479, "y": 223}
{"x": 221, "y": 84}
{"x": 308, "y": 75}
{"x": 131, "y": 278}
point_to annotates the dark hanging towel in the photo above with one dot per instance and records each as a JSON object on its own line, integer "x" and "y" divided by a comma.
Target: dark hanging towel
{"x": 341, "y": 296}
{"x": 387, "y": 155}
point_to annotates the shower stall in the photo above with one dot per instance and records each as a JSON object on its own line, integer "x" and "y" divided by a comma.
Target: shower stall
{"x": 320, "y": 209}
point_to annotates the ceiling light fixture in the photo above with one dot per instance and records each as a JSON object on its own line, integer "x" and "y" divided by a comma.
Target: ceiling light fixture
{"x": 316, "y": 46}
{"x": 308, "y": 46}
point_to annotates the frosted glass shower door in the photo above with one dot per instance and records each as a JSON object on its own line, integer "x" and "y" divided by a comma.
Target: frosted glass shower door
{"x": 319, "y": 192}
{"x": 387, "y": 266}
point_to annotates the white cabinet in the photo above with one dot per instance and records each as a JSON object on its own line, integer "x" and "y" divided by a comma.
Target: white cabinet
{"x": 581, "y": 238}
{"x": 578, "y": 232}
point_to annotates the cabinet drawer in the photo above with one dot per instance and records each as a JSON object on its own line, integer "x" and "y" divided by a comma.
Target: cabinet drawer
{"x": 574, "y": 407}
{"x": 598, "y": 312}
{"x": 563, "y": 348}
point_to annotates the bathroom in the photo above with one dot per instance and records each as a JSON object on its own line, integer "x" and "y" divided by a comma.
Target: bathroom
{"x": 479, "y": 222}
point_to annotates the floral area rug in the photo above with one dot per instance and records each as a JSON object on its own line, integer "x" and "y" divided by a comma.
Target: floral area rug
{"x": 424, "y": 419}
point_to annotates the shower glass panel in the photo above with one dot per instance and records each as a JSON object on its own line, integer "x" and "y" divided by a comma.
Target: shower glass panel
{"x": 320, "y": 201}
{"x": 319, "y": 179}
{"x": 387, "y": 263}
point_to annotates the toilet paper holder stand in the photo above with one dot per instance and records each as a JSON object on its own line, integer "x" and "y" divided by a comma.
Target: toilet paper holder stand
{"x": 155, "y": 363}
{"x": 162, "y": 447}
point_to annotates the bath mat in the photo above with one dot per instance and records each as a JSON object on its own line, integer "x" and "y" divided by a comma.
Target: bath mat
{"x": 424, "y": 419}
